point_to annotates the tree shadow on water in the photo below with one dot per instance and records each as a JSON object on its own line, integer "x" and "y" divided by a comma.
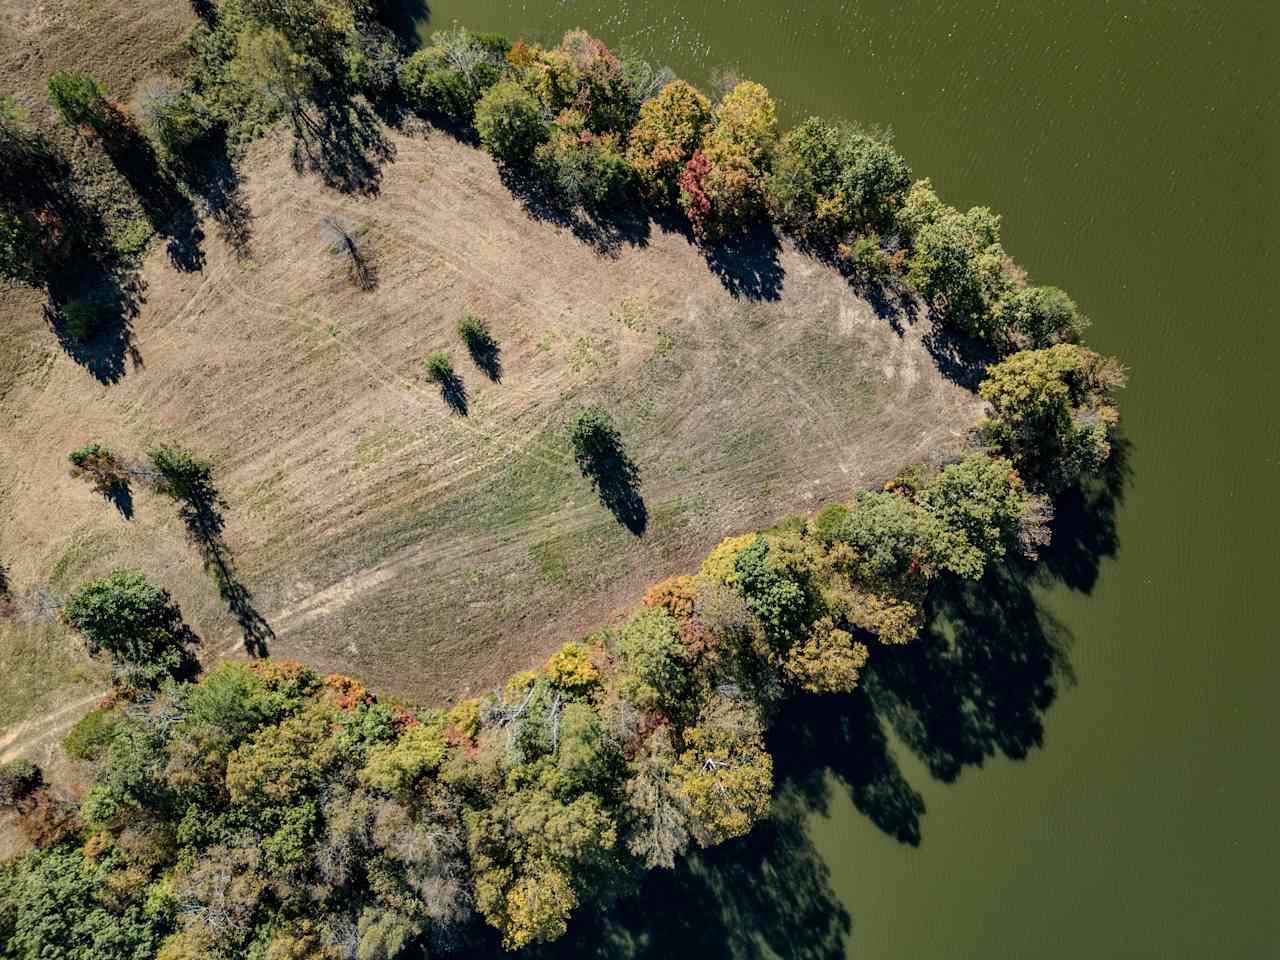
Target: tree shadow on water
{"x": 765, "y": 895}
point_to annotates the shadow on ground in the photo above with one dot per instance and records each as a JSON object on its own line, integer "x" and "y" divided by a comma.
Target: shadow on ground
{"x": 201, "y": 512}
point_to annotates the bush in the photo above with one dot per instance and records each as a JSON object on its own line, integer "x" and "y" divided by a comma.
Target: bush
{"x": 18, "y": 780}
{"x": 438, "y": 368}
{"x": 475, "y": 334}
{"x": 670, "y": 128}
{"x": 509, "y": 122}
{"x": 91, "y": 734}
{"x": 80, "y": 100}
{"x": 451, "y": 75}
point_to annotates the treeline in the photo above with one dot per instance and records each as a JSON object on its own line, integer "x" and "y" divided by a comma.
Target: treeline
{"x": 597, "y": 130}
{"x": 265, "y": 812}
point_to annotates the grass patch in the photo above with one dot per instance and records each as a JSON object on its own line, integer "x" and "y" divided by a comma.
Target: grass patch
{"x": 40, "y": 660}
{"x": 84, "y": 548}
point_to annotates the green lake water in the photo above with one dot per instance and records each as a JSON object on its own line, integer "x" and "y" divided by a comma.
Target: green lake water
{"x": 1133, "y": 150}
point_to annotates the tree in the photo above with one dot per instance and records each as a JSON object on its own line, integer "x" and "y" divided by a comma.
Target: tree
{"x": 721, "y": 187}
{"x": 171, "y": 116}
{"x": 670, "y": 128}
{"x": 724, "y": 773}
{"x": 451, "y": 75}
{"x": 658, "y": 823}
{"x": 827, "y": 181}
{"x": 1052, "y": 413}
{"x": 980, "y": 502}
{"x": 137, "y": 624}
{"x": 1039, "y": 317}
{"x": 651, "y": 659}
{"x": 509, "y": 122}
{"x": 892, "y": 537}
{"x": 282, "y": 77}
{"x": 957, "y": 263}
{"x": 81, "y": 101}
{"x": 18, "y": 780}
{"x": 586, "y": 168}
{"x": 778, "y": 596}
{"x": 826, "y": 659}
{"x": 438, "y": 369}
{"x": 604, "y": 97}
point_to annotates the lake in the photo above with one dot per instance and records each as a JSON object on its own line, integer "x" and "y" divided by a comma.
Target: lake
{"x": 1086, "y": 769}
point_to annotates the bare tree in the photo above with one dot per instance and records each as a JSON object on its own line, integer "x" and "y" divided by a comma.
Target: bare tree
{"x": 343, "y": 238}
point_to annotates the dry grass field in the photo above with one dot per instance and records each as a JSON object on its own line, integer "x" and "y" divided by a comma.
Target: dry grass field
{"x": 385, "y": 534}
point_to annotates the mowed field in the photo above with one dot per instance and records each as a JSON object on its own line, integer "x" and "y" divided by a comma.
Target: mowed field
{"x": 384, "y": 534}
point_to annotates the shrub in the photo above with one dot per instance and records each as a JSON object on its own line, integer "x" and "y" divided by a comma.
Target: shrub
{"x": 80, "y": 100}
{"x": 18, "y": 780}
{"x": 670, "y": 128}
{"x": 475, "y": 334}
{"x": 509, "y": 122}
{"x": 438, "y": 368}
{"x": 451, "y": 75}
{"x": 827, "y": 524}
{"x": 90, "y": 735}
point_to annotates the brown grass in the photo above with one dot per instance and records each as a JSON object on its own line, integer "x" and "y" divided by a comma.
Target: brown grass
{"x": 381, "y": 534}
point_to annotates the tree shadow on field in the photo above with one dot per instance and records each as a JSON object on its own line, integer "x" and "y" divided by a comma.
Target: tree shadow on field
{"x": 201, "y": 512}
{"x": 346, "y": 146}
{"x": 91, "y": 307}
{"x": 616, "y": 480}
{"x": 747, "y": 264}
{"x": 961, "y": 359}
{"x": 606, "y": 228}
{"x": 210, "y": 175}
{"x": 168, "y": 210}
{"x": 119, "y": 494}
{"x": 487, "y": 355}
